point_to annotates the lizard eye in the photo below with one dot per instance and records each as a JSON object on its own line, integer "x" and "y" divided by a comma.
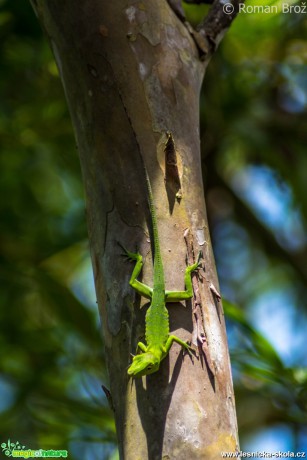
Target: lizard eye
{"x": 149, "y": 367}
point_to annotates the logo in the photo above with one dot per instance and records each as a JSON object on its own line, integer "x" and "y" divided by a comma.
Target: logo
{"x": 15, "y": 449}
{"x": 9, "y": 447}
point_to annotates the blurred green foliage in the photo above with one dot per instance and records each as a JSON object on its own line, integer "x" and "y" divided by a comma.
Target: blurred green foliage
{"x": 254, "y": 136}
{"x": 253, "y": 120}
{"x": 52, "y": 363}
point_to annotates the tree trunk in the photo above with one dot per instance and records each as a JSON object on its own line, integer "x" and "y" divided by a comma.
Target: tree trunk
{"x": 132, "y": 74}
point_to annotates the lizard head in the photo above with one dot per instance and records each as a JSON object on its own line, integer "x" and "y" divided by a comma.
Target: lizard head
{"x": 143, "y": 364}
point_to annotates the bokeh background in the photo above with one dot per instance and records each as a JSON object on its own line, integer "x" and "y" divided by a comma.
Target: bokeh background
{"x": 254, "y": 136}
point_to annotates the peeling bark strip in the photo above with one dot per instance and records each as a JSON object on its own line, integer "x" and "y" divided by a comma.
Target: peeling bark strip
{"x": 199, "y": 339}
{"x": 132, "y": 71}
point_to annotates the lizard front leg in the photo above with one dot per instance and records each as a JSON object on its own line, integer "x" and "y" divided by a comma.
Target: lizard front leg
{"x": 141, "y": 346}
{"x": 173, "y": 338}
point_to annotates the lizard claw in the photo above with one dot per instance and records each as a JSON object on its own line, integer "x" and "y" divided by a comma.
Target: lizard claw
{"x": 122, "y": 247}
{"x": 199, "y": 257}
{"x": 197, "y": 265}
{"x": 188, "y": 349}
{"x": 129, "y": 255}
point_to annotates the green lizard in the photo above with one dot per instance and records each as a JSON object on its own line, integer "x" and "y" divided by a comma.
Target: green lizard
{"x": 158, "y": 339}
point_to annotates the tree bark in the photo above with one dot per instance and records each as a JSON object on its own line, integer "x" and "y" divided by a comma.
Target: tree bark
{"x": 132, "y": 73}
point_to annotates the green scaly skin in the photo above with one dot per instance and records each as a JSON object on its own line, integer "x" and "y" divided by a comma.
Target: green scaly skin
{"x": 158, "y": 339}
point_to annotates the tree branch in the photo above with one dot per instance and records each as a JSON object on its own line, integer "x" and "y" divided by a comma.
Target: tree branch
{"x": 213, "y": 27}
{"x": 218, "y": 20}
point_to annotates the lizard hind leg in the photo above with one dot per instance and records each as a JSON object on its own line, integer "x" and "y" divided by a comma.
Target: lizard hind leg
{"x": 130, "y": 255}
{"x": 141, "y": 288}
{"x": 193, "y": 267}
{"x": 177, "y": 296}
